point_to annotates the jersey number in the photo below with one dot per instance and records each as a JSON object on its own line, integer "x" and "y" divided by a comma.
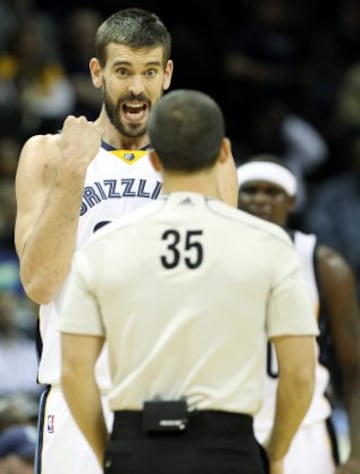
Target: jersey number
{"x": 189, "y": 249}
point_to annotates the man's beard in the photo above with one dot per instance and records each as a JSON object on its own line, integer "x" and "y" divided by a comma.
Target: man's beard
{"x": 113, "y": 112}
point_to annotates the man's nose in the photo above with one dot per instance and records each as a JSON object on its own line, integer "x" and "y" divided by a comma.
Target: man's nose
{"x": 260, "y": 197}
{"x": 136, "y": 85}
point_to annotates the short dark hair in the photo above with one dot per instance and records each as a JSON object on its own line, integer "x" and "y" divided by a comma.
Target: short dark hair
{"x": 133, "y": 27}
{"x": 186, "y": 128}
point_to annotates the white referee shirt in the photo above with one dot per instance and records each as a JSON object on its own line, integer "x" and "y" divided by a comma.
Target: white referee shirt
{"x": 186, "y": 291}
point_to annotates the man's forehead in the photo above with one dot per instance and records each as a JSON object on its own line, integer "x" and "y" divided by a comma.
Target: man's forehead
{"x": 121, "y": 54}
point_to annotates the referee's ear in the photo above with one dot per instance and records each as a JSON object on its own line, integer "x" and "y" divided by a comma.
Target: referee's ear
{"x": 225, "y": 150}
{"x": 155, "y": 160}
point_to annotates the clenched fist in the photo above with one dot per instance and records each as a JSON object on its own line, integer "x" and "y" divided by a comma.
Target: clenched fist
{"x": 79, "y": 142}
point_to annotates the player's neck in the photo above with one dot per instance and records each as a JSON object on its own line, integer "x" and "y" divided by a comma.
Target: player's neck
{"x": 112, "y": 137}
{"x": 202, "y": 183}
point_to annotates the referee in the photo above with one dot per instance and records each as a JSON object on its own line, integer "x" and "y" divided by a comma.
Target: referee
{"x": 185, "y": 292}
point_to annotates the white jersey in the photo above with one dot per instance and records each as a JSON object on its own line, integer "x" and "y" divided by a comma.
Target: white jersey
{"x": 117, "y": 182}
{"x": 186, "y": 291}
{"x": 320, "y": 409}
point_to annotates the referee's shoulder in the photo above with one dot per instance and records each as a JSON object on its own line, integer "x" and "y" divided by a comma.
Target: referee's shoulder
{"x": 256, "y": 225}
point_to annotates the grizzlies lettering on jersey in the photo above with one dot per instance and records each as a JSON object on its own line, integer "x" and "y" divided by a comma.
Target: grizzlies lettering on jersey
{"x": 122, "y": 187}
{"x": 320, "y": 409}
{"x": 117, "y": 182}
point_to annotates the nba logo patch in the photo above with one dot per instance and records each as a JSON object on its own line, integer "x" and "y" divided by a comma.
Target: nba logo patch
{"x": 129, "y": 156}
{"x": 51, "y": 423}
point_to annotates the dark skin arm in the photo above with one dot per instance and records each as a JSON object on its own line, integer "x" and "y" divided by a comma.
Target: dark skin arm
{"x": 337, "y": 283}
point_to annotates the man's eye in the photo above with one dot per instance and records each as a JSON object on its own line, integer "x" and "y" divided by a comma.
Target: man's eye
{"x": 122, "y": 72}
{"x": 151, "y": 72}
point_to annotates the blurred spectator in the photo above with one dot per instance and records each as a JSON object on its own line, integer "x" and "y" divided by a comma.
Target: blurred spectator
{"x": 25, "y": 311}
{"x": 77, "y": 46}
{"x": 17, "y": 450}
{"x": 198, "y": 43}
{"x": 267, "y": 56}
{"x": 9, "y": 262}
{"x": 18, "y": 361}
{"x": 273, "y": 128}
{"x": 347, "y": 111}
{"x": 33, "y": 86}
{"x": 9, "y": 154}
{"x": 346, "y": 33}
{"x": 333, "y": 213}
{"x": 13, "y": 13}
{"x": 18, "y": 409}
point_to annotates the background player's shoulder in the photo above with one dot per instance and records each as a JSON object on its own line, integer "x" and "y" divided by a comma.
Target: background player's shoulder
{"x": 304, "y": 239}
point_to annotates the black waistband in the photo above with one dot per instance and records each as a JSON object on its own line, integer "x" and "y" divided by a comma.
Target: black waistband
{"x": 210, "y": 421}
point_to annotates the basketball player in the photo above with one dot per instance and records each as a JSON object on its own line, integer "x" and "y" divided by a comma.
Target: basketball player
{"x": 70, "y": 184}
{"x": 187, "y": 355}
{"x": 267, "y": 190}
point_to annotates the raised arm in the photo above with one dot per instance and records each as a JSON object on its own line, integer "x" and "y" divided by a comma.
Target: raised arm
{"x": 49, "y": 187}
{"x": 337, "y": 283}
{"x": 296, "y": 357}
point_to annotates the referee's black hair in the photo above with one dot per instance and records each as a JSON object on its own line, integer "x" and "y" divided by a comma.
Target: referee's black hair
{"x": 186, "y": 129}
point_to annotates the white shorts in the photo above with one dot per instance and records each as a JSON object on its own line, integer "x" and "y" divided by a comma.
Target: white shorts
{"x": 62, "y": 449}
{"x": 311, "y": 451}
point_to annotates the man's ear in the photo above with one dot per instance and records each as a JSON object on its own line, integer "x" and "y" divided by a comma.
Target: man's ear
{"x": 168, "y": 75}
{"x": 154, "y": 159}
{"x": 225, "y": 150}
{"x": 96, "y": 72}
{"x": 227, "y": 179}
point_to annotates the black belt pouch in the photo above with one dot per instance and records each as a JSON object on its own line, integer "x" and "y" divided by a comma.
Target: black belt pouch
{"x": 164, "y": 416}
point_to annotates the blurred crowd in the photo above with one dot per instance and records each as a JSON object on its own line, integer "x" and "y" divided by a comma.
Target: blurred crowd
{"x": 286, "y": 73}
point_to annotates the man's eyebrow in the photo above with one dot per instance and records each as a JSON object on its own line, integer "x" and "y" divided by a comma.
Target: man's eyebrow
{"x": 124, "y": 62}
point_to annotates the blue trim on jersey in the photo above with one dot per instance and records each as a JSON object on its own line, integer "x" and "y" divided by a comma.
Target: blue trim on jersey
{"x": 38, "y": 340}
{"x": 330, "y": 427}
{"x": 40, "y": 430}
{"x": 108, "y": 147}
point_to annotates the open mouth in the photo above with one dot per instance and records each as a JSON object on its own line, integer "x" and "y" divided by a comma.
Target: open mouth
{"x": 134, "y": 112}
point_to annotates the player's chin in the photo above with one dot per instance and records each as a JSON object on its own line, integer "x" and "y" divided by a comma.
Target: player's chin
{"x": 136, "y": 130}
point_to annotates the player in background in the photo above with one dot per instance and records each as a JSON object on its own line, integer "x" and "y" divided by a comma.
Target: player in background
{"x": 70, "y": 184}
{"x": 267, "y": 189}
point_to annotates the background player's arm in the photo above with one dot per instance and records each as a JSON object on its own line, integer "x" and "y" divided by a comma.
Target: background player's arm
{"x": 296, "y": 357}
{"x": 79, "y": 356}
{"x": 337, "y": 283}
{"x": 49, "y": 187}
